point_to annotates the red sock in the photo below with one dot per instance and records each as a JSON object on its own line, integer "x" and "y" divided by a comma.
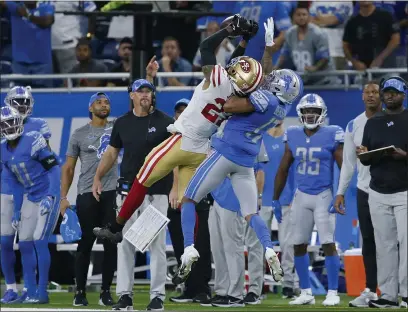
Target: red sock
{"x": 133, "y": 201}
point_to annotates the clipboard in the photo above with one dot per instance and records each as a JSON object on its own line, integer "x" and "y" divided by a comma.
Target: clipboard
{"x": 377, "y": 152}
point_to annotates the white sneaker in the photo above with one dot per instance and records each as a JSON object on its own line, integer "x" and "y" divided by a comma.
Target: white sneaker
{"x": 332, "y": 298}
{"x": 274, "y": 264}
{"x": 305, "y": 298}
{"x": 362, "y": 300}
{"x": 188, "y": 258}
{"x": 404, "y": 304}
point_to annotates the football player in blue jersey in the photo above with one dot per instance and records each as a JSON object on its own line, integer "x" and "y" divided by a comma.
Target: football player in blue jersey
{"x": 21, "y": 99}
{"x": 33, "y": 171}
{"x": 235, "y": 148}
{"x": 313, "y": 149}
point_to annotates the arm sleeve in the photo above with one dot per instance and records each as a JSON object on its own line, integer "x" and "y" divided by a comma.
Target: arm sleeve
{"x": 73, "y": 146}
{"x": 261, "y": 100}
{"x": 322, "y": 46}
{"x": 115, "y": 140}
{"x": 349, "y": 160}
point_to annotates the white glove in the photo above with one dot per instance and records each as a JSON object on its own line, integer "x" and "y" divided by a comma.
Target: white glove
{"x": 269, "y": 32}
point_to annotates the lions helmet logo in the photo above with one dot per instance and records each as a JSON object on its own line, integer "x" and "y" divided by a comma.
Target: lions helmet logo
{"x": 103, "y": 145}
{"x": 245, "y": 66}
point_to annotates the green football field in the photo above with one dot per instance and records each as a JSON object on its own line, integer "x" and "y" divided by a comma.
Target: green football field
{"x": 63, "y": 302}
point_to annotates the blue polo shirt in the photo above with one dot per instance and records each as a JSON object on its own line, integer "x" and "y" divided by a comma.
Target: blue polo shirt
{"x": 30, "y": 43}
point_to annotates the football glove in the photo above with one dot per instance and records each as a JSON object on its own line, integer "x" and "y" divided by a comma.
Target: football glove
{"x": 277, "y": 210}
{"x": 46, "y": 205}
{"x": 240, "y": 25}
{"x": 269, "y": 32}
{"x": 252, "y": 32}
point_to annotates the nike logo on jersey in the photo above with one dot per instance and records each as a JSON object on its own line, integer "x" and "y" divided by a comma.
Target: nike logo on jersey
{"x": 152, "y": 130}
{"x": 389, "y": 124}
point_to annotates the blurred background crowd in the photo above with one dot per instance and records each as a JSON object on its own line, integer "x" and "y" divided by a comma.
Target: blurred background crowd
{"x": 37, "y": 39}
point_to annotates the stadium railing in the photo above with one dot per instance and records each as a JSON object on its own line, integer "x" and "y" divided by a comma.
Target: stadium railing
{"x": 351, "y": 79}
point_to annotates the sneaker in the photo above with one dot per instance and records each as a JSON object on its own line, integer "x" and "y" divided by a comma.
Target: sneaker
{"x": 183, "y": 298}
{"x": 404, "y": 303}
{"x": 20, "y": 299}
{"x": 155, "y": 305}
{"x": 80, "y": 299}
{"x": 125, "y": 303}
{"x": 213, "y": 299}
{"x": 105, "y": 299}
{"x": 332, "y": 298}
{"x": 203, "y": 299}
{"x": 9, "y": 296}
{"x": 252, "y": 298}
{"x": 274, "y": 264}
{"x": 228, "y": 302}
{"x": 305, "y": 298}
{"x": 383, "y": 303}
{"x": 106, "y": 233}
{"x": 287, "y": 293}
{"x": 362, "y": 300}
{"x": 189, "y": 257}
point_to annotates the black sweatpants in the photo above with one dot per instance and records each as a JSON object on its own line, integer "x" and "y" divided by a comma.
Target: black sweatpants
{"x": 92, "y": 213}
{"x": 367, "y": 232}
{"x": 201, "y": 273}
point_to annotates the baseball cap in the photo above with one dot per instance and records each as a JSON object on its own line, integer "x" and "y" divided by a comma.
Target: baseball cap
{"x": 97, "y": 96}
{"x": 181, "y": 102}
{"x": 142, "y": 83}
{"x": 394, "y": 83}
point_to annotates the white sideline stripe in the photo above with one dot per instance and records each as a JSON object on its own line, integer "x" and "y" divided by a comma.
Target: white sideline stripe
{"x": 53, "y": 309}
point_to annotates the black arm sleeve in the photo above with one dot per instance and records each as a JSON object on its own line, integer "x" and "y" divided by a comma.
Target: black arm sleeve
{"x": 239, "y": 51}
{"x": 209, "y": 45}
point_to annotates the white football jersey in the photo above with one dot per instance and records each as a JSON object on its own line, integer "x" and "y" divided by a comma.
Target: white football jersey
{"x": 204, "y": 114}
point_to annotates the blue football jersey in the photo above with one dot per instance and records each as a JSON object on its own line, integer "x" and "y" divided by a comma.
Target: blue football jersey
{"x": 275, "y": 149}
{"x": 24, "y": 164}
{"x": 314, "y": 160}
{"x": 30, "y": 124}
{"x": 239, "y": 138}
{"x": 260, "y": 11}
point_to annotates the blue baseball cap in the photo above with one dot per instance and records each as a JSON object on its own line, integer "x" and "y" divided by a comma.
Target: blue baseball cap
{"x": 181, "y": 102}
{"x": 142, "y": 83}
{"x": 394, "y": 83}
{"x": 97, "y": 96}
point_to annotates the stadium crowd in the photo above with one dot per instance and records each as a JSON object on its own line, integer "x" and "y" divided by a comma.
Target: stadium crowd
{"x": 254, "y": 172}
{"x": 101, "y": 44}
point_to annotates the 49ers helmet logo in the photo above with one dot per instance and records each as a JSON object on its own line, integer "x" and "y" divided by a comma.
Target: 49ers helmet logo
{"x": 245, "y": 66}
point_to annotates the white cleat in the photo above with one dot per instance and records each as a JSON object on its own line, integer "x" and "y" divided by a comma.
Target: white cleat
{"x": 274, "y": 264}
{"x": 332, "y": 298}
{"x": 305, "y": 298}
{"x": 189, "y": 257}
{"x": 362, "y": 300}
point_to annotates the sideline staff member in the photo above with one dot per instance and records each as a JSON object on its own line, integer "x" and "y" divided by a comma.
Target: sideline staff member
{"x": 352, "y": 139}
{"x": 138, "y": 132}
{"x": 89, "y": 142}
{"x": 388, "y": 191}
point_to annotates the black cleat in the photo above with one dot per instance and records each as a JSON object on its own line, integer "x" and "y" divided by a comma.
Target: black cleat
{"x": 252, "y": 298}
{"x": 183, "y": 298}
{"x": 382, "y": 304}
{"x": 203, "y": 299}
{"x": 287, "y": 293}
{"x": 105, "y": 299}
{"x": 80, "y": 299}
{"x": 106, "y": 233}
{"x": 155, "y": 305}
{"x": 125, "y": 303}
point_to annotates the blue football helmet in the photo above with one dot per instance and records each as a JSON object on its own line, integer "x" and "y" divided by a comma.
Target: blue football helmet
{"x": 312, "y": 111}
{"x": 285, "y": 84}
{"x": 11, "y": 123}
{"x": 21, "y": 99}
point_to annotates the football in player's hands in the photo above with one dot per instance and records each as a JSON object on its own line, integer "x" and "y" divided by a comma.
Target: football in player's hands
{"x": 252, "y": 32}
{"x": 240, "y": 25}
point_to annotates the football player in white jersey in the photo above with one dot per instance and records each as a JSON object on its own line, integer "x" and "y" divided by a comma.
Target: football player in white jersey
{"x": 188, "y": 146}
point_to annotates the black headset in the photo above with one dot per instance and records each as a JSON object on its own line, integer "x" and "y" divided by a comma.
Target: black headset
{"x": 153, "y": 98}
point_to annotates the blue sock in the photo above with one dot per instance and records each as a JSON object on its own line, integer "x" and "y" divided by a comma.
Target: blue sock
{"x": 188, "y": 220}
{"x": 302, "y": 268}
{"x": 261, "y": 230}
{"x": 44, "y": 262}
{"x": 8, "y": 259}
{"x": 29, "y": 262}
{"x": 333, "y": 267}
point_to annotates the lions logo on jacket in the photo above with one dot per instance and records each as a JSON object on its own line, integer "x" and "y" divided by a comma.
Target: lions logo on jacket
{"x": 103, "y": 145}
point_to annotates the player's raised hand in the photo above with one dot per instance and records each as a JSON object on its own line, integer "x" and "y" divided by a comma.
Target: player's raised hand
{"x": 338, "y": 205}
{"x": 253, "y": 31}
{"x": 269, "y": 32}
{"x": 152, "y": 67}
{"x": 96, "y": 188}
{"x": 277, "y": 210}
{"x": 46, "y": 205}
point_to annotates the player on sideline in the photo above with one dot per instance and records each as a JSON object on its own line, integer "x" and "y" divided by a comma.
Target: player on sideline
{"x": 188, "y": 146}
{"x": 22, "y": 100}
{"x": 313, "y": 149}
{"x": 34, "y": 171}
{"x": 235, "y": 148}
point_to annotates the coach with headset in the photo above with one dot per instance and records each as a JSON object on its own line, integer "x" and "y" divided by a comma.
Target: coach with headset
{"x": 388, "y": 191}
{"x": 137, "y": 133}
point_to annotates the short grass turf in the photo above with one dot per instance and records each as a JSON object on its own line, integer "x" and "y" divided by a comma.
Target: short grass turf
{"x": 273, "y": 302}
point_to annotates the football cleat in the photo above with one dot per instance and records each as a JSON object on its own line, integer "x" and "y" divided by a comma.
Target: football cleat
{"x": 332, "y": 298}
{"x": 274, "y": 264}
{"x": 189, "y": 257}
{"x": 9, "y": 296}
{"x": 305, "y": 298}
